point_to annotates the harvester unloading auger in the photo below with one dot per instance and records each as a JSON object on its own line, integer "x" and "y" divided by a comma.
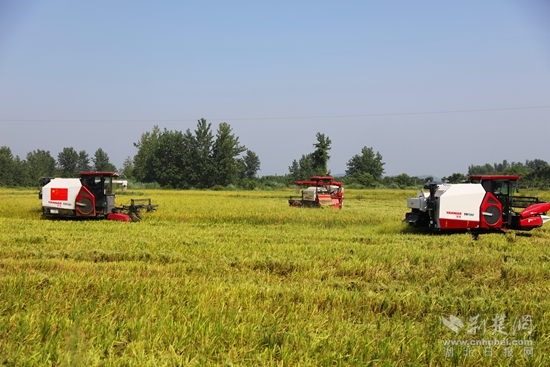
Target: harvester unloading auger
{"x": 321, "y": 191}
{"x": 90, "y": 196}
{"x": 484, "y": 204}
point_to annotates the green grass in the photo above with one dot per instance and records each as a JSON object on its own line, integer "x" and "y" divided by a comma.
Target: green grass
{"x": 241, "y": 278}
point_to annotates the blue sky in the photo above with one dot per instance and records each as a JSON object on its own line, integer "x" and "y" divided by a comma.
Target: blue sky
{"x": 434, "y": 86}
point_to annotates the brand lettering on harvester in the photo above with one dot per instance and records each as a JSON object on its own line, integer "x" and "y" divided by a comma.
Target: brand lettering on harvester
{"x": 454, "y": 213}
{"x": 54, "y": 202}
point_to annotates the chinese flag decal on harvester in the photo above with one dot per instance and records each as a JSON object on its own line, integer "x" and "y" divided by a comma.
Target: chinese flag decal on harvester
{"x": 61, "y": 194}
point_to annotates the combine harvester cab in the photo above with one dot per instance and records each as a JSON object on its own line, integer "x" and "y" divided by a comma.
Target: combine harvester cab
{"x": 90, "y": 196}
{"x": 320, "y": 191}
{"x": 484, "y": 204}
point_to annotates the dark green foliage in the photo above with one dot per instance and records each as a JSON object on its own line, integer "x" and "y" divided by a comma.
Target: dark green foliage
{"x": 225, "y": 151}
{"x": 455, "y": 178}
{"x": 302, "y": 169}
{"x": 366, "y": 162}
{"x": 83, "y": 161}
{"x": 67, "y": 161}
{"x": 320, "y": 156}
{"x": 41, "y": 164}
{"x": 7, "y": 167}
{"x": 312, "y": 164}
{"x": 128, "y": 168}
{"x": 201, "y": 163}
{"x": 535, "y": 173}
{"x": 250, "y": 165}
{"x": 193, "y": 159}
{"x": 101, "y": 162}
{"x": 144, "y": 164}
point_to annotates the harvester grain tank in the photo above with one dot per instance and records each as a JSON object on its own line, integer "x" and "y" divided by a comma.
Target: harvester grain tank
{"x": 319, "y": 191}
{"x": 484, "y": 204}
{"x": 90, "y": 196}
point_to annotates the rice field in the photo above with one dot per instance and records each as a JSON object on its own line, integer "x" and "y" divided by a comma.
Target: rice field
{"x": 241, "y": 278}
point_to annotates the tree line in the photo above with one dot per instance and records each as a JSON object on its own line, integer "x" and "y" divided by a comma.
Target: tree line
{"x": 195, "y": 159}
{"x": 15, "y": 171}
{"x": 534, "y": 173}
{"x": 204, "y": 159}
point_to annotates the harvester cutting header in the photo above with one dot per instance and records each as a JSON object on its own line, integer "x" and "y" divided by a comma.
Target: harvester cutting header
{"x": 90, "y": 196}
{"x": 484, "y": 204}
{"x": 321, "y": 191}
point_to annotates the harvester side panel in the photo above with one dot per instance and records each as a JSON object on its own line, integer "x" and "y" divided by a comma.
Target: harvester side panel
{"x": 60, "y": 193}
{"x": 458, "y": 206}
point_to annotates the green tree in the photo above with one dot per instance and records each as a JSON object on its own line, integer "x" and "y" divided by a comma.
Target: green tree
{"x": 22, "y": 173}
{"x": 128, "y": 167}
{"x": 536, "y": 164}
{"x": 486, "y": 169}
{"x": 404, "y": 180}
{"x": 250, "y": 165}
{"x": 365, "y": 179}
{"x": 144, "y": 160}
{"x": 101, "y": 162}
{"x": 7, "y": 167}
{"x": 455, "y": 178}
{"x": 368, "y": 162}
{"x": 225, "y": 152}
{"x": 200, "y": 162}
{"x": 190, "y": 159}
{"x": 320, "y": 156}
{"x": 516, "y": 169}
{"x": 312, "y": 164}
{"x": 170, "y": 159}
{"x": 41, "y": 164}
{"x": 83, "y": 162}
{"x": 304, "y": 168}
{"x": 67, "y": 161}
{"x": 539, "y": 177}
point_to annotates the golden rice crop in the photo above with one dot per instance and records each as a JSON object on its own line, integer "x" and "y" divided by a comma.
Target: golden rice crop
{"x": 235, "y": 277}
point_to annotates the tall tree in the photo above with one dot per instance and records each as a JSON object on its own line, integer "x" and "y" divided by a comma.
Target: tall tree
{"x": 250, "y": 164}
{"x": 67, "y": 161}
{"x": 128, "y": 167}
{"x": 320, "y": 156}
{"x": 83, "y": 161}
{"x": 201, "y": 163}
{"x": 367, "y": 161}
{"x": 225, "y": 152}
{"x": 41, "y": 164}
{"x": 144, "y": 160}
{"x": 101, "y": 162}
{"x": 312, "y": 164}
{"x": 170, "y": 158}
{"x": 7, "y": 167}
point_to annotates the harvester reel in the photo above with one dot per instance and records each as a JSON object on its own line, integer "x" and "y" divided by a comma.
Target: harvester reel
{"x": 492, "y": 214}
{"x": 85, "y": 205}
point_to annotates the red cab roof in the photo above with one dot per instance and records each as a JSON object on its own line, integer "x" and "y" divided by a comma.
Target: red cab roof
{"x": 493, "y": 177}
{"x": 319, "y": 181}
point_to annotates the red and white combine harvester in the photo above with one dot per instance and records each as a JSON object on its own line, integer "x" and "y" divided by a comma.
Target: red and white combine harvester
{"x": 321, "y": 191}
{"x": 484, "y": 204}
{"x": 90, "y": 196}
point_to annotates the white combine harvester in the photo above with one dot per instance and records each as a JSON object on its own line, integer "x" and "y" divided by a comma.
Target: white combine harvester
{"x": 485, "y": 204}
{"x": 90, "y": 196}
